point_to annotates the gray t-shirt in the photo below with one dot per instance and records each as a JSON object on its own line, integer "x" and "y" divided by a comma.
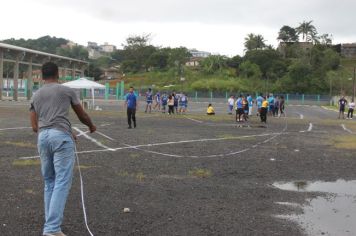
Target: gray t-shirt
{"x": 51, "y": 104}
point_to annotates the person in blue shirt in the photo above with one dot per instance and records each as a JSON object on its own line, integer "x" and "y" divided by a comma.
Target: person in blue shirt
{"x": 239, "y": 109}
{"x": 176, "y": 100}
{"x": 183, "y": 103}
{"x": 164, "y": 101}
{"x": 259, "y": 101}
{"x": 149, "y": 100}
{"x": 131, "y": 104}
{"x": 271, "y": 104}
{"x": 158, "y": 101}
{"x": 250, "y": 104}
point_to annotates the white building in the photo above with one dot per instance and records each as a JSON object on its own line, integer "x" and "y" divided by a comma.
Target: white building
{"x": 199, "y": 54}
{"x": 108, "y": 48}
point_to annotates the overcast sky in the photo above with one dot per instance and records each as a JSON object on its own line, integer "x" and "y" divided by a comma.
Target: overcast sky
{"x": 217, "y": 26}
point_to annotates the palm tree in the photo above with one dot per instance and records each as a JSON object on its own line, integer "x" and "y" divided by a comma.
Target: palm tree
{"x": 307, "y": 30}
{"x": 253, "y": 41}
{"x": 260, "y": 42}
{"x": 250, "y": 42}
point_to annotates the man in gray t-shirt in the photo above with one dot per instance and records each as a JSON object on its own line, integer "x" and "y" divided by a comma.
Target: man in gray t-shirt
{"x": 49, "y": 118}
{"x": 51, "y": 104}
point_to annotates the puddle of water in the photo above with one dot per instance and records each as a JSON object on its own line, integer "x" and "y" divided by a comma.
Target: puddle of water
{"x": 334, "y": 214}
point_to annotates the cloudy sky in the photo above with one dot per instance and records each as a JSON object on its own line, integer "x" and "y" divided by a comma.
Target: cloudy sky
{"x": 217, "y": 26}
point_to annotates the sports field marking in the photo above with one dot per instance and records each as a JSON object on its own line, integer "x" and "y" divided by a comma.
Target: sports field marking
{"x": 92, "y": 139}
{"x": 198, "y": 121}
{"x": 104, "y": 135}
{"x": 155, "y": 144}
{"x": 309, "y": 128}
{"x": 15, "y": 128}
{"x": 301, "y": 116}
{"x": 346, "y": 129}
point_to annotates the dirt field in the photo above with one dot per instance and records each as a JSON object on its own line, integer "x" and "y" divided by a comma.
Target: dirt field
{"x": 179, "y": 175}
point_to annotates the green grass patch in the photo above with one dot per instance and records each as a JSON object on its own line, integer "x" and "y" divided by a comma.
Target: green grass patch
{"x": 139, "y": 176}
{"x": 344, "y": 142}
{"x": 29, "y": 162}
{"x": 200, "y": 173}
{"x": 21, "y": 144}
{"x": 30, "y": 191}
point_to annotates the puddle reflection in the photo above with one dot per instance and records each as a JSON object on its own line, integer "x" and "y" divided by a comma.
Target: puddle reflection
{"x": 333, "y": 214}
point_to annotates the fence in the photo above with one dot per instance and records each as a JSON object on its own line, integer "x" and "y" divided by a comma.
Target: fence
{"x": 118, "y": 93}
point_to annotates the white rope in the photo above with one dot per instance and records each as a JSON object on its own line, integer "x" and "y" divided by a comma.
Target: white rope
{"x": 82, "y": 192}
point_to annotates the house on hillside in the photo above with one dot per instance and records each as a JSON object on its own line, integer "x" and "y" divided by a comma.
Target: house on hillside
{"x": 95, "y": 51}
{"x": 111, "y": 74}
{"x": 196, "y": 57}
{"x": 348, "y": 50}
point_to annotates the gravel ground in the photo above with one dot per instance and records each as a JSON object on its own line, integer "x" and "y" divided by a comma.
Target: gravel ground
{"x": 179, "y": 175}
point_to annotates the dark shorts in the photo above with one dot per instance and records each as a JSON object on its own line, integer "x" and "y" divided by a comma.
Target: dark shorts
{"x": 342, "y": 109}
{"x": 239, "y": 111}
{"x": 149, "y": 102}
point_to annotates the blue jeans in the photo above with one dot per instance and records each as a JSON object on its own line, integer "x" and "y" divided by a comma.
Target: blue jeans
{"x": 57, "y": 155}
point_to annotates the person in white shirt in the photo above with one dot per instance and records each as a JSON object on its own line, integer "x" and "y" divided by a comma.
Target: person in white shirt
{"x": 230, "y": 103}
{"x": 350, "y": 113}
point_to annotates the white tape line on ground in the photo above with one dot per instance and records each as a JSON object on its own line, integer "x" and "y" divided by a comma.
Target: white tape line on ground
{"x": 198, "y": 121}
{"x": 161, "y": 144}
{"x": 198, "y": 140}
{"x": 15, "y": 128}
{"x": 301, "y": 116}
{"x": 346, "y": 129}
{"x": 104, "y": 135}
{"x": 92, "y": 139}
{"x": 309, "y": 128}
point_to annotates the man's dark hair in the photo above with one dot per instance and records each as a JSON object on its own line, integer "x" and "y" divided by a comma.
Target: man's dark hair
{"x": 49, "y": 70}
{"x": 131, "y": 87}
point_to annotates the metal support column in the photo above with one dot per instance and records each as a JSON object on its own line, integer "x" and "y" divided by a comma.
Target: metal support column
{"x": 1, "y": 72}
{"x": 29, "y": 80}
{"x": 16, "y": 78}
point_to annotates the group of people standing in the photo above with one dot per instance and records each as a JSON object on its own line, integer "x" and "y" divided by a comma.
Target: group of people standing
{"x": 270, "y": 105}
{"x": 342, "y": 105}
{"x": 176, "y": 103}
{"x": 172, "y": 103}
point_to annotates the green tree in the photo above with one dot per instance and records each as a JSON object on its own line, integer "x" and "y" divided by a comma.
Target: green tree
{"x": 288, "y": 34}
{"x": 253, "y": 42}
{"x": 308, "y": 31}
{"x": 213, "y": 64}
{"x": 78, "y": 52}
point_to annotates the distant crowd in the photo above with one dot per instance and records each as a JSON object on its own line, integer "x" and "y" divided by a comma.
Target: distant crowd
{"x": 243, "y": 105}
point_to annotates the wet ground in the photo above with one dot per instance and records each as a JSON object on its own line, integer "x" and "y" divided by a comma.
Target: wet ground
{"x": 184, "y": 175}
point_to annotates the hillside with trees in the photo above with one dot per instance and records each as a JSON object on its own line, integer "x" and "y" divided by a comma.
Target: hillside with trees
{"x": 305, "y": 62}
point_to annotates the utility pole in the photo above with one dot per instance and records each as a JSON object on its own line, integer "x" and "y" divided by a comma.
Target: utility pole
{"x": 353, "y": 85}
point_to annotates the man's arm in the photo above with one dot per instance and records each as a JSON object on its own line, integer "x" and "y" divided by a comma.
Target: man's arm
{"x": 34, "y": 121}
{"x": 84, "y": 117}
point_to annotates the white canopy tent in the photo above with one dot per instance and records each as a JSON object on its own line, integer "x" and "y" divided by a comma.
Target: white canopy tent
{"x": 83, "y": 83}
